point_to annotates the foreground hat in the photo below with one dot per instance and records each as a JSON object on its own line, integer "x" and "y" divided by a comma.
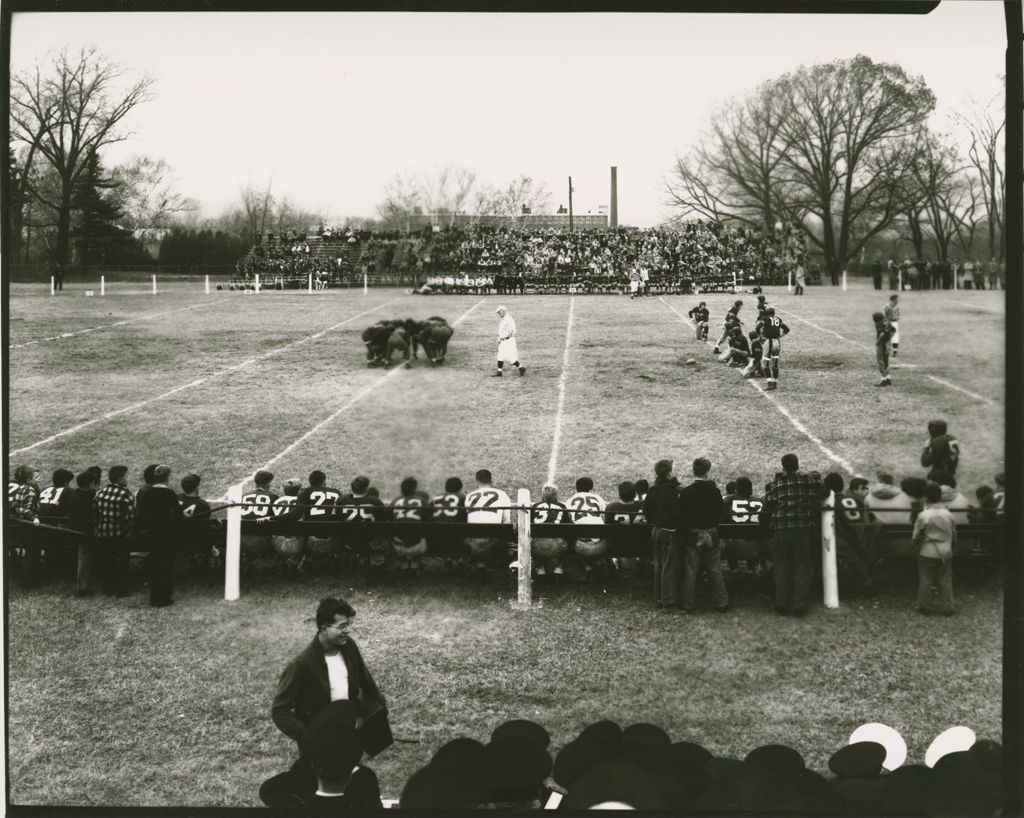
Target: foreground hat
{"x": 522, "y": 729}
{"x": 776, "y": 758}
{"x": 603, "y": 732}
{"x": 862, "y": 759}
{"x": 514, "y": 769}
{"x": 647, "y": 735}
{"x": 437, "y": 788}
{"x": 614, "y": 782}
{"x": 575, "y": 758}
{"x": 462, "y": 754}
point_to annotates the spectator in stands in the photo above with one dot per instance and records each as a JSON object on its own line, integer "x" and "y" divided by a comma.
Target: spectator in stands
{"x": 935, "y": 537}
{"x": 793, "y": 504}
{"x": 942, "y": 452}
{"x": 158, "y": 517}
{"x": 978, "y": 274}
{"x": 333, "y": 657}
{"x": 113, "y": 514}
{"x": 661, "y": 508}
{"x": 701, "y": 507}
{"x": 954, "y": 500}
{"x": 80, "y": 519}
{"x": 889, "y": 504}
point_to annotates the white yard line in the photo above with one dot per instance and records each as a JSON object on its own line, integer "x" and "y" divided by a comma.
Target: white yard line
{"x": 197, "y": 382}
{"x": 895, "y": 365}
{"x": 64, "y": 335}
{"x": 553, "y": 460}
{"x": 839, "y": 461}
{"x": 344, "y": 408}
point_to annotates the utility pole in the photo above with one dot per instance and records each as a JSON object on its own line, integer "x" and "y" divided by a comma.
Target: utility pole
{"x": 570, "y": 204}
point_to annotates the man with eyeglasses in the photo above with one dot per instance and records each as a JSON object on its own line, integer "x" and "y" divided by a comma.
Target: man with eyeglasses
{"x": 330, "y": 669}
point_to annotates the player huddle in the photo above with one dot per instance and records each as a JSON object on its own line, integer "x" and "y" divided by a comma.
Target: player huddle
{"x": 405, "y": 337}
{"x": 757, "y": 351}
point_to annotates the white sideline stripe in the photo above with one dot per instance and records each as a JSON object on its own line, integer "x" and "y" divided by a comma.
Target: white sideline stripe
{"x": 64, "y": 335}
{"x": 194, "y": 383}
{"x": 335, "y": 413}
{"x": 958, "y": 388}
{"x": 553, "y": 460}
{"x": 900, "y": 366}
{"x": 782, "y": 409}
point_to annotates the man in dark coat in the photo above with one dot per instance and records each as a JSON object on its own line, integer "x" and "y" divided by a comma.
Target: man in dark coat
{"x": 331, "y": 668}
{"x": 159, "y": 520}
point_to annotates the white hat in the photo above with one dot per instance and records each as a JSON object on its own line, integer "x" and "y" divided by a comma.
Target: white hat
{"x": 501, "y": 310}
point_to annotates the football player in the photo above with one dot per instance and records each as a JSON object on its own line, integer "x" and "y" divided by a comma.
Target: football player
{"x": 883, "y": 336}
{"x": 192, "y": 505}
{"x": 256, "y": 508}
{"x": 587, "y": 508}
{"x": 53, "y": 500}
{"x": 290, "y": 546}
{"x": 891, "y": 313}
{"x": 701, "y": 318}
{"x": 738, "y": 353}
{"x": 773, "y": 330}
{"x": 627, "y": 510}
{"x": 486, "y": 504}
{"x": 413, "y": 506}
{"x": 743, "y": 508}
{"x": 548, "y": 552}
{"x": 856, "y": 535}
{"x": 732, "y": 315}
{"x": 449, "y": 507}
{"x": 359, "y": 506}
{"x": 315, "y": 503}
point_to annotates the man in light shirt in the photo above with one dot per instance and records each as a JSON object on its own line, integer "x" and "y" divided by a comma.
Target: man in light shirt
{"x": 331, "y": 668}
{"x": 508, "y": 350}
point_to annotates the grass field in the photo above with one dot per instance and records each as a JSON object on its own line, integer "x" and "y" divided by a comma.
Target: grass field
{"x": 147, "y": 700}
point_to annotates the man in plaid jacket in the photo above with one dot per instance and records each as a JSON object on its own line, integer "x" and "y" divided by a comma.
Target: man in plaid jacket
{"x": 113, "y": 517}
{"x": 793, "y": 504}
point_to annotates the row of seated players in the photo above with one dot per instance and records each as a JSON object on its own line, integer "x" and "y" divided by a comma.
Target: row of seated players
{"x": 883, "y": 504}
{"x": 512, "y": 284}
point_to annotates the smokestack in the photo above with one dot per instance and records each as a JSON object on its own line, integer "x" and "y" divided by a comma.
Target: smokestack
{"x": 613, "y": 213}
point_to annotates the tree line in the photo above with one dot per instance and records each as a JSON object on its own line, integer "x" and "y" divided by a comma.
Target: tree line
{"x": 843, "y": 151}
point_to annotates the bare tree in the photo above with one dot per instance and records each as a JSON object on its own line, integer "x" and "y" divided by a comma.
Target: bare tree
{"x": 964, "y": 209}
{"x": 734, "y": 172}
{"x": 986, "y": 125}
{"x": 148, "y": 195}
{"x": 257, "y": 206}
{"x": 845, "y": 128}
{"x": 402, "y": 195}
{"x": 67, "y": 113}
{"x": 448, "y": 190}
{"x": 522, "y": 198}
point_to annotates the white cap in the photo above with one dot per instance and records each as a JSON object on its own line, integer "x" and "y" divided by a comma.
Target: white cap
{"x": 501, "y": 310}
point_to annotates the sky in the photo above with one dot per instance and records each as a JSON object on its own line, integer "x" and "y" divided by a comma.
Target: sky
{"x": 327, "y": 107}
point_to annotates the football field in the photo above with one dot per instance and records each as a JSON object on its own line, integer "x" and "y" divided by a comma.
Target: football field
{"x": 112, "y": 702}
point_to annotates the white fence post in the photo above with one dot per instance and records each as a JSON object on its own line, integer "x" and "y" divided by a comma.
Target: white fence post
{"x": 53, "y": 289}
{"x": 103, "y": 285}
{"x": 789, "y": 281}
{"x": 256, "y": 286}
{"x": 311, "y": 282}
{"x": 207, "y": 285}
{"x": 525, "y": 597}
{"x": 901, "y": 280}
{"x": 734, "y": 284}
{"x": 844, "y": 281}
{"x": 829, "y": 570}
{"x": 365, "y": 284}
{"x": 233, "y": 549}
{"x": 154, "y": 285}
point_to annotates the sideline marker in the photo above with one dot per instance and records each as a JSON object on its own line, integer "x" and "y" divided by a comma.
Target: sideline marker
{"x": 154, "y": 285}
{"x": 844, "y": 281}
{"x": 524, "y": 600}
{"x": 311, "y": 282}
{"x": 365, "y": 290}
{"x": 829, "y": 572}
{"x": 53, "y": 290}
{"x": 103, "y": 285}
{"x": 207, "y": 285}
{"x": 256, "y": 285}
{"x": 233, "y": 549}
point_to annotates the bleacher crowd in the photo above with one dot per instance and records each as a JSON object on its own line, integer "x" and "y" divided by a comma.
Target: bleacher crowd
{"x": 107, "y": 522}
{"x": 698, "y": 256}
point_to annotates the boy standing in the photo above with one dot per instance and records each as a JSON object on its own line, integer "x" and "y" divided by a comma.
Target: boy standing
{"x": 935, "y": 535}
{"x": 883, "y": 335}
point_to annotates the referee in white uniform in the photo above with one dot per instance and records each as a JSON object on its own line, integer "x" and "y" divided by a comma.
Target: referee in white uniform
{"x": 507, "y": 347}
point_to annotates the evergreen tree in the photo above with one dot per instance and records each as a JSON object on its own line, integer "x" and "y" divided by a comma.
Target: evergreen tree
{"x": 98, "y": 238}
